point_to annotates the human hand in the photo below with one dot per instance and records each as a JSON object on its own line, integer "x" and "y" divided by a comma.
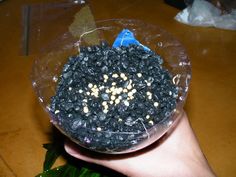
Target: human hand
{"x": 177, "y": 153}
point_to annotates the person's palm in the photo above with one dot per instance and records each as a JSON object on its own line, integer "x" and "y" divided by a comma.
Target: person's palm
{"x": 176, "y": 154}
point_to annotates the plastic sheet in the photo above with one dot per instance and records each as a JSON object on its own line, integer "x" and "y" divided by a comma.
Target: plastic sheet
{"x": 204, "y": 13}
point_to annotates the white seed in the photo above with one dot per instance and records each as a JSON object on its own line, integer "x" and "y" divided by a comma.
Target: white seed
{"x": 80, "y": 91}
{"x": 104, "y": 103}
{"x": 129, "y": 87}
{"x": 130, "y": 94}
{"x": 88, "y": 93}
{"x": 126, "y": 103}
{"x": 115, "y": 75}
{"x": 105, "y": 111}
{"x": 57, "y": 111}
{"x": 108, "y": 91}
{"x": 90, "y": 85}
{"x": 156, "y": 104}
{"x": 95, "y": 89}
{"x": 139, "y": 74}
{"x": 117, "y": 101}
{"x": 105, "y": 80}
{"x": 150, "y": 97}
{"x": 120, "y": 120}
{"x": 111, "y": 102}
{"x": 125, "y": 90}
{"x": 134, "y": 91}
{"x": 122, "y": 75}
{"x": 99, "y": 129}
{"x": 170, "y": 93}
{"x": 114, "y": 92}
{"x": 119, "y": 90}
{"x": 113, "y": 97}
{"x": 125, "y": 78}
{"x": 112, "y": 88}
{"x": 101, "y": 87}
{"x": 131, "y": 97}
{"x": 105, "y": 76}
{"x": 96, "y": 94}
{"x": 85, "y": 109}
{"x": 95, "y": 86}
{"x": 113, "y": 83}
{"x": 106, "y": 107}
{"x": 151, "y": 122}
{"x": 148, "y": 93}
{"x": 147, "y": 116}
{"x": 70, "y": 88}
{"x": 149, "y": 84}
{"x": 85, "y": 100}
{"x": 120, "y": 97}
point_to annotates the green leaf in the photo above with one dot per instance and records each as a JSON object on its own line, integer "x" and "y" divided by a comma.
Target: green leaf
{"x": 95, "y": 175}
{"x": 56, "y": 172}
{"x": 61, "y": 171}
{"x": 70, "y": 169}
{"x": 53, "y": 152}
{"x": 85, "y": 172}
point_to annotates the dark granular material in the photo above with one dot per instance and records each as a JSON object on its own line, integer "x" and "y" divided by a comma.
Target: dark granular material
{"x": 108, "y": 98}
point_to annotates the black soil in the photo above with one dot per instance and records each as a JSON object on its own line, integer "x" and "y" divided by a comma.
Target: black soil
{"x": 108, "y": 98}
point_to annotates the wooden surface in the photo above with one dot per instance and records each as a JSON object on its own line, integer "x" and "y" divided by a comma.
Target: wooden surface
{"x": 24, "y": 126}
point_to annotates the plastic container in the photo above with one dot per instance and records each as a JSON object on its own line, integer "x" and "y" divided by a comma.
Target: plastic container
{"x": 48, "y": 66}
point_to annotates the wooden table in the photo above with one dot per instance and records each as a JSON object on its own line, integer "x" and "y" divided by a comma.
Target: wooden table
{"x": 211, "y": 103}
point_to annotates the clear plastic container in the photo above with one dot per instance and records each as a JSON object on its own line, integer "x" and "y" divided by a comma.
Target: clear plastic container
{"x": 48, "y": 66}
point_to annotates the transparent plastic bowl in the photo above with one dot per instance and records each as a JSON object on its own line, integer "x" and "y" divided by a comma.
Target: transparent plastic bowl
{"x": 48, "y": 67}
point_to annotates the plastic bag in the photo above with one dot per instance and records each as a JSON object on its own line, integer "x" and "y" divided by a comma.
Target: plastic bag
{"x": 203, "y": 13}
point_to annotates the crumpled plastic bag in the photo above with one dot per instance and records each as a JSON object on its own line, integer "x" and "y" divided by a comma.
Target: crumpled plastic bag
{"x": 203, "y": 13}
